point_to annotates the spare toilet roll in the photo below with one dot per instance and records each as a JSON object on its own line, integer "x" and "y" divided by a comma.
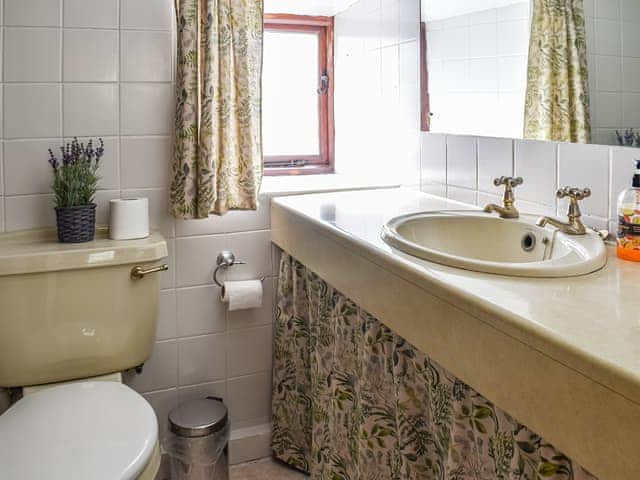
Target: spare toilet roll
{"x": 242, "y": 295}
{"x": 128, "y": 218}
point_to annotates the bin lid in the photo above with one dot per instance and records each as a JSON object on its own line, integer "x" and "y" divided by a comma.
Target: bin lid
{"x": 198, "y": 418}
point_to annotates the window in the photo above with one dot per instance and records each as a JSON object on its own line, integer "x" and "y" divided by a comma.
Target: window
{"x": 297, "y": 95}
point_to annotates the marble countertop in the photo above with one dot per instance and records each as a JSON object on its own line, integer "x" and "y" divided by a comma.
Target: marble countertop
{"x": 590, "y": 323}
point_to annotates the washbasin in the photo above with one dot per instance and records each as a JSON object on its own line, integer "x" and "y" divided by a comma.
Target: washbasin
{"x": 482, "y": 242}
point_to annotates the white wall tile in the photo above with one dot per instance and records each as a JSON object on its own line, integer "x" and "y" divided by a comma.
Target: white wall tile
{"x": 167, "y": 316}
{"x": 90, "y": 55}
{"x": 197, "y": 257}
{"x": 160, "y": 371}
{"x": 517, "y": 11}
{"x": 583, "y": 166}
{"x": 249, "y": 399}
{"x": 101, "y": 100}
{"x": 32, "y": 54}
{"x": 145, "y": 56}
{"x": 32, "y": 111}
{"x": 146, "y": 14}
{"x": 32, "y": 13}
{"x": 202, "y": 359}
{"x": 91, "y": 13}
{"x": 146, "y": 109}
{"x": 630, "y": 39}
{"x": 535, "y": 162}
{"x": 145, "y": 161}
{"x": 608, "y": 41}
{"x": 29, "y": 211}
{"x": 434, "y": 158}
{"x": 462, "y": 195}
{"x": 200, "y": 311}
{"x": 168, "y": 278}
{"x": 249, "y": 351}
{"x": 495, "y": 159}
{"x": 204, "y": 390}
{"x": 513, "y": 37}
{"x": 630, "y": 9}
{"x": 437, "y": 189}
{"x": 607, "y": 9}
{"x": 461, "y": 161}
{"x": 26, "y": 170}
{"x": 608, "y": 73}
{"x": 483, "y": 40}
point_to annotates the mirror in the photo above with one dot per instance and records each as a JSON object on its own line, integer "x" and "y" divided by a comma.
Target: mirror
{"x": 475, "y": 75}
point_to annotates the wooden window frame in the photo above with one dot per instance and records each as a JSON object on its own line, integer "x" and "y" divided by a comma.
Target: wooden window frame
{"x": 425, "y": 100}
{"x": 325, "y": 161}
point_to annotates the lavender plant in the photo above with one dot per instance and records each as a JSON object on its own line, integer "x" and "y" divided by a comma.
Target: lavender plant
{"x": 75, "y": 173}
{"x": 628, "y": 138}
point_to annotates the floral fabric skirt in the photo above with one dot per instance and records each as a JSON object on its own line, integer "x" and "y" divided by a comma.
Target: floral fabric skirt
{"x": 354, "y": 401}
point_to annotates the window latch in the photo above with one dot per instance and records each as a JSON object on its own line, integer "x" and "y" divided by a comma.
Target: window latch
{"x": 324, "y": 85}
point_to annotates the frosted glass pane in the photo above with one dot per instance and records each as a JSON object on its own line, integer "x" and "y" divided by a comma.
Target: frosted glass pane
{"x": 290, "y": 112}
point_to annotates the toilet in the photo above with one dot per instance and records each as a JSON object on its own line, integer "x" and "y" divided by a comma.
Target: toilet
{"x": 72, "y": 319}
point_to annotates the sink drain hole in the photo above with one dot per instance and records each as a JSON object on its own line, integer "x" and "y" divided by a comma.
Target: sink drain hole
{"x": 529, "y": 242}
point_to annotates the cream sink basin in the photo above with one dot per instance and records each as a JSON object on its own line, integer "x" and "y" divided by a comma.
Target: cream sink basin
{"x": 482, "y": 242}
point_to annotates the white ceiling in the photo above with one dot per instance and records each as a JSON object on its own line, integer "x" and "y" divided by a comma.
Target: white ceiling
{"x": 440, "y": 9}
{"x": 308, "y": 7}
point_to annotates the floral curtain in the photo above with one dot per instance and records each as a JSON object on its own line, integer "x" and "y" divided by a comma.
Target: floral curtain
{"x": 557, "y": 99}
{"x": 354, "y": 401}
{"x": 218, "y": 146}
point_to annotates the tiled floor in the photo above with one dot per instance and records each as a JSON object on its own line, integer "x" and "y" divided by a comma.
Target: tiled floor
{"x": 267, "y": 469}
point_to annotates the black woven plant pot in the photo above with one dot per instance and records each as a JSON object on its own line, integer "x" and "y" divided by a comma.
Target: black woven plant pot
{"x": 76, "y": 224}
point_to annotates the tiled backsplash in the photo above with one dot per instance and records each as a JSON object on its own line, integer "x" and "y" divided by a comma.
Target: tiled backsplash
{"x": 463, "y": 168}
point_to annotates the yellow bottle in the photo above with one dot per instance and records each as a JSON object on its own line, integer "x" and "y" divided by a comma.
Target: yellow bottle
{"x": 629, "y": 220}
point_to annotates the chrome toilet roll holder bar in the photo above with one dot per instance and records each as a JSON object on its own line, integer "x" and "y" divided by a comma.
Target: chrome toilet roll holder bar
{"x": 226, "y": 259}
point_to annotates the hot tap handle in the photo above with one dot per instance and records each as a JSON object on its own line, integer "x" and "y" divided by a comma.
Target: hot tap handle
{"x": 574, "y": 193}
{"x": 508, "y": 181}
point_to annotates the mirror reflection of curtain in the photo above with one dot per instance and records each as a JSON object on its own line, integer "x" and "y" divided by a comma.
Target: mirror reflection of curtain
{"x": 557, "y": 99}
{"x": 218, "y": 147}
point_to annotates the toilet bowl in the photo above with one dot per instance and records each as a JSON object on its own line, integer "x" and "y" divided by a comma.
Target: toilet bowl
{"x": 80, "y": 431}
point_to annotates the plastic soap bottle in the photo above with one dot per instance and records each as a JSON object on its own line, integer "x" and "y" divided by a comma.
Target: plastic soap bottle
{"x": 629, "y": 220}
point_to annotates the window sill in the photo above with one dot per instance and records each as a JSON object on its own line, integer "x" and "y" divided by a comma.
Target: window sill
{"x": 297, "y": 185}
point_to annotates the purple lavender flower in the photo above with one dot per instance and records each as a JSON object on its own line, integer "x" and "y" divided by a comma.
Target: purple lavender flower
{"x": 53, "y": 161}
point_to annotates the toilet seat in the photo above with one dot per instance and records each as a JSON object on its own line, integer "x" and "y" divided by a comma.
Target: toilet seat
{"x": 80, "y": 431}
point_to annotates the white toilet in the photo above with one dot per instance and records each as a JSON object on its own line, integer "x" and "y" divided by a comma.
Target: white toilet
{"x": 72, "y": 318}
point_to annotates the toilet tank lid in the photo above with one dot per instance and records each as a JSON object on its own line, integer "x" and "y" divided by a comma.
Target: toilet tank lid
{"x": 96, "y": 430}
{"x": 38, "y": 251}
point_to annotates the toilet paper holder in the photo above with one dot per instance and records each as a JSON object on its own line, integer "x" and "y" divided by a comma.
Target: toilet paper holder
{"x": 225, "y": 260}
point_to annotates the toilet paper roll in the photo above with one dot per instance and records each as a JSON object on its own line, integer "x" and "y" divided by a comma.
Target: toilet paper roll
{"x": 242, "y": 295}
{"x": 128, "y": 218}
